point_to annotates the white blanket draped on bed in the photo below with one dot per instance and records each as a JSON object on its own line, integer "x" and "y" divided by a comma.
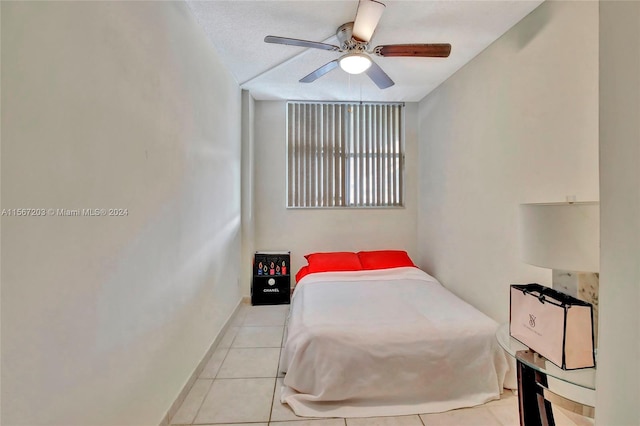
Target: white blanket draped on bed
{"x": 386, "y": 342}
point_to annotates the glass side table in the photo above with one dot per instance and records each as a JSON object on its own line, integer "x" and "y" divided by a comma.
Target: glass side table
{"x": 541, "y": 383}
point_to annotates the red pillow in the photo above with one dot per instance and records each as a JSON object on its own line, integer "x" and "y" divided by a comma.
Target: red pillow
{"x": 333, "y": 261}
{"x": 384, "y": 259}
{"x": 301, "y": 273}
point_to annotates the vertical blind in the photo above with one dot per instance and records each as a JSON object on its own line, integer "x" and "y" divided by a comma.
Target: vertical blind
{"x": 344, "y": 155}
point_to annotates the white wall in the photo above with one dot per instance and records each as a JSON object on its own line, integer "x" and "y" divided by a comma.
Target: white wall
{"x": 308, "y": 230}
{"x": 113, "y": 105}
{"x": 248, "y": 191}
{"x": 517, "y": 124}
{"x": 618, "y": 377}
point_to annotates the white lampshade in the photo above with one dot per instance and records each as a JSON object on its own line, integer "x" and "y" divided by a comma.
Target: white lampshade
{"x": 561, "y": 235}
{"x": 355, "y": 63}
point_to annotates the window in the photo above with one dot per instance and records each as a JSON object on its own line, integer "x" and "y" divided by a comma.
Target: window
{"x": 345, "y": 155}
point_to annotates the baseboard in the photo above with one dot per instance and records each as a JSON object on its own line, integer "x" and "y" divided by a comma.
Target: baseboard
{"x": 203, "y": 362}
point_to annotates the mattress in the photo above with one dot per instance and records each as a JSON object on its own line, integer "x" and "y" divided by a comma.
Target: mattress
{"x": 385, "y": 343}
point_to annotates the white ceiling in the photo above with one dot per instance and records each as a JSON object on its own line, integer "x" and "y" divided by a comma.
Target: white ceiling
{"x": 271, "y": 72}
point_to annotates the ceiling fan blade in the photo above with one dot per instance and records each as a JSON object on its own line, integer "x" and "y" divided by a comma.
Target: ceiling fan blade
{"x": 367, "y": 18}
{"x": 440, "y": 50}
{"x": 379, "y": 77}
{"x": 319, "y": 72}
{"x": 300, "y": 43}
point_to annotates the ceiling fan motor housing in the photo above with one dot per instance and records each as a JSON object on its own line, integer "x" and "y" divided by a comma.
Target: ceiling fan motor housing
{"x": 347, "y": 42}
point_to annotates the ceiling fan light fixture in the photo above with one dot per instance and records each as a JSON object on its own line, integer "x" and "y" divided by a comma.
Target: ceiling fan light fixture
{"x": 355, "y": 63}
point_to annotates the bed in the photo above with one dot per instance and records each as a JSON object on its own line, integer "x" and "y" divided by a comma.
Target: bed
{"x": 365, "y": 342}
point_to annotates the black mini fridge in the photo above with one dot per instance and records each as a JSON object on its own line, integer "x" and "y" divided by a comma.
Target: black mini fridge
{"x": 271, "y": 284}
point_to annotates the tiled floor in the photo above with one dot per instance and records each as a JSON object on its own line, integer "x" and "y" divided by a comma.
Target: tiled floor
{"x": 240, "y": 386}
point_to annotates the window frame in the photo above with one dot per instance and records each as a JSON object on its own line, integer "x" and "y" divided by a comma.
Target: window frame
{"x": 351, "y": 154}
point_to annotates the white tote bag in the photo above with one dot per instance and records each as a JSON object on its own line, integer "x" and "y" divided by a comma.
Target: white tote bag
{"x": 556, "y": 325}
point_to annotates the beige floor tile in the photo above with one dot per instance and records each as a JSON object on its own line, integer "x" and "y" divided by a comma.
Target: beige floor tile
{"x": 237, "y": 401}
{"x": 281, "y": 308}
{"x": 213, "y": 365}
{"x": 189, "y": 408}
{"x": 386, "y": 421}
{"x": 239, "y": 424}
{"x": 477, "y": 416}
{"x": 250, "y": 362}
{"x": 266, "y": 315}
{"x": 507, "y": 414}
{"x": 259, "y": 337}
{"x": 311, "y": 422}
{"x": 228, "y": 337}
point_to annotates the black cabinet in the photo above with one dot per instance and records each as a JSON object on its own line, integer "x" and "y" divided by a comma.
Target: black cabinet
{"x": 271, "y": 284}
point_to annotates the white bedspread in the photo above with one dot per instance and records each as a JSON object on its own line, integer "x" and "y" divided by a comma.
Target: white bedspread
{"x": 386, "y": 342}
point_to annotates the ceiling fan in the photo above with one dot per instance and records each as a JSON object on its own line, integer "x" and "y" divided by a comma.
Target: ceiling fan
{"x": 354, "y": 38}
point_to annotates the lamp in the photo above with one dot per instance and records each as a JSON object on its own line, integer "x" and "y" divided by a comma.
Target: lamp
{"x": 355, "y": 63}
{"x": 564, "y": 237}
